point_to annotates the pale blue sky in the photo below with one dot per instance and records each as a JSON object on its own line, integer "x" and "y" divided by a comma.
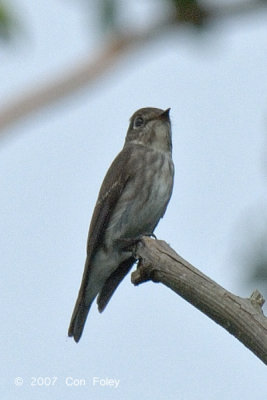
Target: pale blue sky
{"x": 51, "y": 169}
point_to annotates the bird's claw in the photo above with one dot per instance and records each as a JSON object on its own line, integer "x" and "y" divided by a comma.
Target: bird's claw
{"x": 128, "y": 243}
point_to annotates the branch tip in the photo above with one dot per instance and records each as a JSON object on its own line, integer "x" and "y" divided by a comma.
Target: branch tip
{"x": 143, "y": 272}
{"x": 136, "y": 277}
{"x": 257, "y": 299}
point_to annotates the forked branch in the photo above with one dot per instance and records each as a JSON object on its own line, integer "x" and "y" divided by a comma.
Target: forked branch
{"x": 242, "y": 317}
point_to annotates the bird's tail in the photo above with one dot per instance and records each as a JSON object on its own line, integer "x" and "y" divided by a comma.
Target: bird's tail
{"x": 78, "y": 319}
{"x": 87, "y": 294}
{"x": 89, "y": 289}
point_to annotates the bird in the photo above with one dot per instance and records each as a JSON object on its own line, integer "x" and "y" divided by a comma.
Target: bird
{"x": 132, "y": 199}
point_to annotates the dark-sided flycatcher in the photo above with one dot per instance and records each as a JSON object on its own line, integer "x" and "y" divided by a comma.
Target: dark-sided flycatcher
{"x": 132, "y": 199}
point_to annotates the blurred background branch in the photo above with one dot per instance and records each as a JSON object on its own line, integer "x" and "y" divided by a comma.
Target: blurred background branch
{"x": 116, "y": 43}
{"x": 8, "y": 23}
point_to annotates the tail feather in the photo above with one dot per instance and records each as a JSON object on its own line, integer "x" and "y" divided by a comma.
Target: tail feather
{"x": 91, "y": 287}
{"x": 87, "y": 293}
{"x": 78, "y": 321}
{"x": 113, "y": 282}
{"x": 83, "y": 304}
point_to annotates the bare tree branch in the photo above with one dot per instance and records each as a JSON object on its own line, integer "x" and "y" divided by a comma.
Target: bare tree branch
{"x": 89, "y": 70}
{"x": 242, "y": 317}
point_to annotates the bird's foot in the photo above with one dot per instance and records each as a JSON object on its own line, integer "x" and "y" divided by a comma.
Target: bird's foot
{"x": 127, "y": 244}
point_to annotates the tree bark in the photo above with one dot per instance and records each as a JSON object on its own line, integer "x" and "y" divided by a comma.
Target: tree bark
{"x": 242, "y": 317}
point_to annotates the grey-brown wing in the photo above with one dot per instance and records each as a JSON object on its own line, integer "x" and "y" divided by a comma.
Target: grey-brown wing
{"x": 110, "y": 192}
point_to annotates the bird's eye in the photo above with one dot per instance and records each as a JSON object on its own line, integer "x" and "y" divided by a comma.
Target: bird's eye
{"x": 139, "y": 121}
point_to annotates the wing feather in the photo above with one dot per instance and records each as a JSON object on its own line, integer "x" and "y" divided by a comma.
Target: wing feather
{"x": 110, "y": 192}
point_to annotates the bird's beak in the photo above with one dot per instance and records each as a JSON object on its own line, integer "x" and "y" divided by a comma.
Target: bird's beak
{"x": 165, "y": 115}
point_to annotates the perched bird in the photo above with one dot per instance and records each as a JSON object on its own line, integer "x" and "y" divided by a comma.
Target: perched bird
{"x": 133, "y": 197}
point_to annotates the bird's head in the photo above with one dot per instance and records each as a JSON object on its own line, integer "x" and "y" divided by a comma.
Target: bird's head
{"x": 150, "y": 127}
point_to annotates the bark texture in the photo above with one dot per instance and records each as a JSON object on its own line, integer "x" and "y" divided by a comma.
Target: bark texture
{"x": 242, "y": 317}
